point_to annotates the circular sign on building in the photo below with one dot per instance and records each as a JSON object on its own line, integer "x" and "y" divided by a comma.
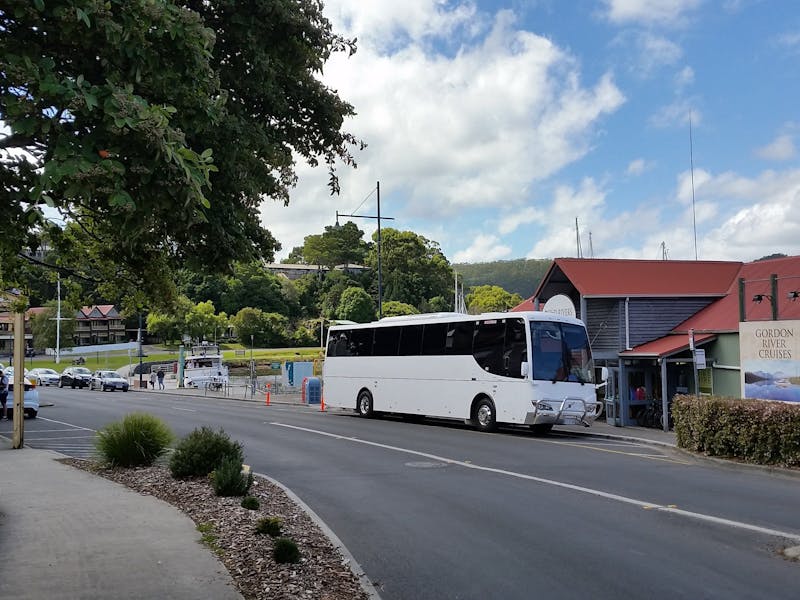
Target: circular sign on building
{"x": 560, "y": 305}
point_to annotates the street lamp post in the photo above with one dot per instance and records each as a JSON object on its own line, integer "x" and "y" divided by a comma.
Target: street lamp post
{"x": 378, "y": 217}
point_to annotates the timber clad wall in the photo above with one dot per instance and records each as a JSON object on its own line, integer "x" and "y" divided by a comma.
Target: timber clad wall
{"x": 649, "y": 318}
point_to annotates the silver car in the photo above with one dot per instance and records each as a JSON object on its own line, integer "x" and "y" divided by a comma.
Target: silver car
{"x": 43, "y": 376}
{"x": 108, "y": 380}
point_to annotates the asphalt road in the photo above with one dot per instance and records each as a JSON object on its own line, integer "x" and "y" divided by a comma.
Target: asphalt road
{"x": 438, "y": 511}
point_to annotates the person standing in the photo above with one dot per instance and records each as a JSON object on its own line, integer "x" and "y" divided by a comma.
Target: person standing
{"x": 152, "y": 380}
{"x": 4, "y": 393}
{"x": 161, "y": 379}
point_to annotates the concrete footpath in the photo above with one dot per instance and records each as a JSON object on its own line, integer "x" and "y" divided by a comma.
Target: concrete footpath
{"x": 65, "y": 533}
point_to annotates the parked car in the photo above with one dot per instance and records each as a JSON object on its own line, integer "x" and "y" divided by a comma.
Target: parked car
{"x": 75, "y": 377}
{"x": 108, "y": 380}
{"x": 43, "y": 376}
{"x": 9, "y": 371}
{"x": 30, "y": 399}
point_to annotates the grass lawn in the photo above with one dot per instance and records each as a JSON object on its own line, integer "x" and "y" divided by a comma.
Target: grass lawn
{"x": 115, "y": 360}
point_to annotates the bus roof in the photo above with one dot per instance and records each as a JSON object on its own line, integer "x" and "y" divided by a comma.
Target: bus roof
{"x": 418, "y": 319}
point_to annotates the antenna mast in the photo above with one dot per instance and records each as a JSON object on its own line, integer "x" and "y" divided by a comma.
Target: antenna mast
{"x": 578, "y": 238}
{"x": 691, "y": 163}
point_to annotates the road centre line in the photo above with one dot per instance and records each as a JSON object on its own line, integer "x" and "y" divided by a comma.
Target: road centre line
{"x": 184, "y": 409}
{"x": 569, "y": 486}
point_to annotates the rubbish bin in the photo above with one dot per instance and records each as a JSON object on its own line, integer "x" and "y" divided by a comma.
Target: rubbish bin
{"x": 314, "y": 394}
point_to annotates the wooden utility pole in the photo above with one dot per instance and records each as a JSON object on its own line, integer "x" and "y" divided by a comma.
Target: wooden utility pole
{"x": 18, "y": 439}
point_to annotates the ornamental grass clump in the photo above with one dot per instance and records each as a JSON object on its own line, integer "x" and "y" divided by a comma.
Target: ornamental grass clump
{"x": 250, "y": 503}
{"x": 285, "y": 551}
{"x": 229, "y": 480}
{"x": 135, "y": 441}
{"x": 270, "y": 526}
{"x": 201, "y": 452}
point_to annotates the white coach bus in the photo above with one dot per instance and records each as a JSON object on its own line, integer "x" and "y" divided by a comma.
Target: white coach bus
{"x": 523, "y": 368}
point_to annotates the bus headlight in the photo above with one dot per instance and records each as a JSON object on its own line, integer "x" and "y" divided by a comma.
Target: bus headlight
{"x": 544, "y": 405}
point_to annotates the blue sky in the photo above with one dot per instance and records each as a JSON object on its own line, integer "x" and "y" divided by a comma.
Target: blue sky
{"x": 493, "y": 125}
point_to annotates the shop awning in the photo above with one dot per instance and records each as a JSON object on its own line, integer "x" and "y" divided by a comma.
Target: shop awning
{"x": 667, "y": 346}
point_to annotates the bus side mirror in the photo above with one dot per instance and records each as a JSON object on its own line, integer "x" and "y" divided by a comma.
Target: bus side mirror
{"x": 603, "y": 373}
{"x": 524, "y": 369}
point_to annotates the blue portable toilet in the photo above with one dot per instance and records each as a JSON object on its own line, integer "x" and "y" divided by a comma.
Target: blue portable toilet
{"x": 314, "y": 392}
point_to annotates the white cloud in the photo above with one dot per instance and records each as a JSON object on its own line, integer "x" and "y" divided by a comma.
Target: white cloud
{"x": 639, "y": 166}
{"x": 781, "y": 148}
{"x": 449, "y": 133}
{"x": 677, "y": 114}
{"x": 484, "y": 248}
{"x": 664, "y": 12}
{"x": 684, "y": 78}
{"x": 656, "y": 51}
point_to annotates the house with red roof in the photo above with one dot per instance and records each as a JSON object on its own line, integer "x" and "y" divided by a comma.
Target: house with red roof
{"x": 644, "y": 317}
{"x": 99, "y": 324}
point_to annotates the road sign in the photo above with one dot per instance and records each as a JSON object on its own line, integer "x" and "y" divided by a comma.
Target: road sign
{"x": 700, "y": 358}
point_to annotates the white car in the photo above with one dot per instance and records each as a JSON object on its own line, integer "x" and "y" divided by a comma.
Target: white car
{"x": 43, "y": 376}
{"x": 108, "y": 380}
{"x": 30, "y": 399}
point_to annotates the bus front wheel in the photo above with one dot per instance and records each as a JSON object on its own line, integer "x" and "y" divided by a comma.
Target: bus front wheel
{"x": 484, "y": 416}
{"x": 365, "y": 404}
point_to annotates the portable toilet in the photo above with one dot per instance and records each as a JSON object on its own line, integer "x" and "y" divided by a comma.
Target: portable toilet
{"x": 314, "y": 394}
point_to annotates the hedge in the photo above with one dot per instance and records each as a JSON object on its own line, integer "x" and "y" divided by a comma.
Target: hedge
{"x": 754, "y": 431}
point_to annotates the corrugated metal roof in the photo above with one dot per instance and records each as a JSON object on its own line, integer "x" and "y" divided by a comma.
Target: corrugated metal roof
{"x": 723, "y": 315}
{"x": 604, "y": 277}
{"x": 666, "y": 346}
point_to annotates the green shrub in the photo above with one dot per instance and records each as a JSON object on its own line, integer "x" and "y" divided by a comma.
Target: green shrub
{"x": 270, "y": 526}
{"x": 200, "y": 452}
{"x": 228, "y": 480}
{"x": 135, "y": 441}
{"x": 755, "y": 431}
{"x": 250, "y": 503}
{"x": 285, "y": 551}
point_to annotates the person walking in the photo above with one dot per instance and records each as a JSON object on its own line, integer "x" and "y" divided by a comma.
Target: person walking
{"x": 161, "y": 379}
{"x": 152, "y": 380}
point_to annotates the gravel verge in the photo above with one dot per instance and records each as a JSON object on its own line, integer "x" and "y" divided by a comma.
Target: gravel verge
{"x": 229, "y": 531}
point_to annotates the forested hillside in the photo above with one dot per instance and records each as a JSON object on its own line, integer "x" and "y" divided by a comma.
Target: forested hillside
{"x": 519, "y": 276}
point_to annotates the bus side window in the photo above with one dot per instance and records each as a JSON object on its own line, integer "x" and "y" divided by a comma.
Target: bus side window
{"x": 410, "y": 340}
{"x": 516, "y": 348}
{"x": 433, "y": 339}
{"x": 337, "y": 345}
{"x": 459, "y": 337}
{"x": 488, "y": 346}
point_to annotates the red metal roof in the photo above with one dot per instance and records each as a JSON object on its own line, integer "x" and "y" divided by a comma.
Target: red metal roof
{"x": 604, "y": 277}
{"x": 723, "y": 315}
{"x": 667, "y": 346}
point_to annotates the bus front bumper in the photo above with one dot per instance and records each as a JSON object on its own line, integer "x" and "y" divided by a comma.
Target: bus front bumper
{"x": 570, "y": 411}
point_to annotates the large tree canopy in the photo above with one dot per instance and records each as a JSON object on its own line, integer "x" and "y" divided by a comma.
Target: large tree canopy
{"x": 157, "y": 127}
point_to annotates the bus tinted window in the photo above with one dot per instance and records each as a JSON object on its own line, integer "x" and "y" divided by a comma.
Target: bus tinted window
{"x": 516, "y": 349}
{"x": 488, "y": 346}
{"x": 361, "y": 342}
{"x": 386, "y": 342}
{"x": 410, "y": 340}
{"x": 338, "y": 344}
{"x": 459, "y": 337}
{"x": 433, "y": 338}
{"x": 561, "y": 352}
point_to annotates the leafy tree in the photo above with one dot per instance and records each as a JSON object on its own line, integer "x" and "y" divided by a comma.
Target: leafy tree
{"x": 202, "y": 286}
{"x": 266, "y": 329}
{"x": 413, "y": 267}
{"x": 170, "y": 326}
{"x": 251, "y": 285}
{"x": 44, "y": 326}
{"x": 356, "y": 305}
{"x": 334, "y": 285}
{"x": 336, "y": 246}
{"x": 393, "y": 308}
{"x": 490, "y": 298}
{"x": 156, "y": 128}
{"x": 202, "y": 321}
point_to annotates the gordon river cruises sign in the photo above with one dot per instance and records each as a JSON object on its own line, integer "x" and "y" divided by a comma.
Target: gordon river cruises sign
{"x": 770, "y": 360}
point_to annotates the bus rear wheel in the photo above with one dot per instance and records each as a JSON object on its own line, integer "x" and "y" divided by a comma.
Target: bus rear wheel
{"x": 484, "y": 417}
{"x": 364, "y": 406}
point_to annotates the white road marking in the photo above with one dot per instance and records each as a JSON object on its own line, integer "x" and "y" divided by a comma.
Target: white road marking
{"x": 63, "y": 423}
{"x": 65, "y": 437}
{"x": 569, "y": 486}
{"x": 184, "y": 409}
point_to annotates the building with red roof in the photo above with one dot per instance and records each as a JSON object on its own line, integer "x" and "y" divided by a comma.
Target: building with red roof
{"x": 643, "y": 317}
